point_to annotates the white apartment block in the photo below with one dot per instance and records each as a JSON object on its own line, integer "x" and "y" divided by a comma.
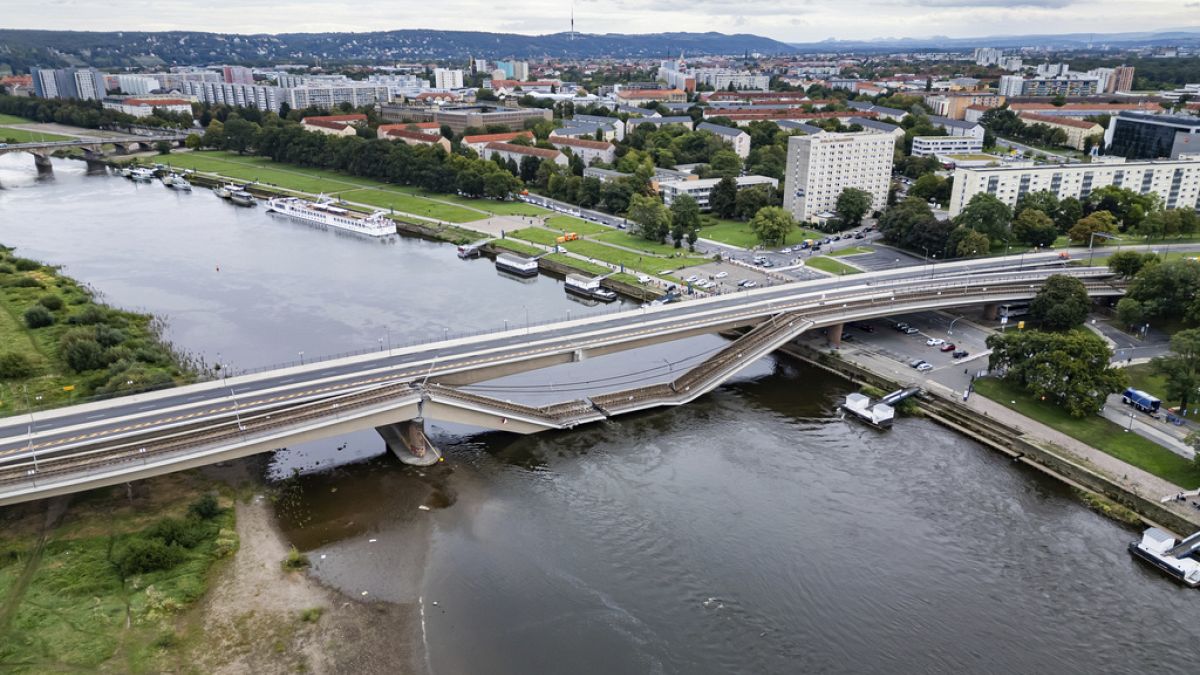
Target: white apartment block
{"x": 988, "y": 56}
{"x": 89, "y": 85}
{"x": 1177, "y": 182}
{"x": 245, "y": 95}
{"x": 447, "y": 78}
{"x": 701, "y": 190}
{"x": 135, "y": 85}
{"x": 720, "y": 79}
{"x": 819, "y": 167}
{"x": 928, "y": 146}
{"x": 330, "y": 96}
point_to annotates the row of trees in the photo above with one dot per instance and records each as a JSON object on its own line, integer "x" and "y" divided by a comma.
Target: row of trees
{"x": 86, "y": 114}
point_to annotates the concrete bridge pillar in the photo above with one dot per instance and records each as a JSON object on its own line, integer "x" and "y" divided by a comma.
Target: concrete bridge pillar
{"x": 42, "y": 162}
{"x": 408, "y": 442}
{"x": 834, "y": 335}
{"x": 991, "y": 311}
{"x": 95, "y": 165}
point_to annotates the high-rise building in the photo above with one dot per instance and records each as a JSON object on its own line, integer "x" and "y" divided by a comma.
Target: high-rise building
{"x": 1074, "y": 85}
{"x": 1176, "y": 181}
{"x": 245, "y": 95}
{"x": 89, "y": 84}
{"x": 333, "y": 95}
{"x": 81, "y": 83}
{"x": 237, "y": 75}
{"x": 1122, "y": 79}
{"x": 1136, "y": 135}
{"x": 446, "y": 78}
{"x": 514, "y": 70}
{"x": 988, "y": 56}
{"x": 135, "y": 85}
{"x": 45, "y": 82}
{"x": 821, "y": 166}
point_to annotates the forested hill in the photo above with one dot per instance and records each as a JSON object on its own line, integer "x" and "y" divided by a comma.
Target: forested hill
{"x": 24, "y": 48}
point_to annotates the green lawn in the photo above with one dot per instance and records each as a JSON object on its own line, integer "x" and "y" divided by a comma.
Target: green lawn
{"x": 832, "y": 266}
{"x": 387, "y": 198}
{"x": 537, "y": 235}
{"x": 513, "y": 208}
{"x": 13, "y": 119}
{"x": 1096, "y": 432}
{"x": 11, "y": 135}
{"x": 635, "y": 242}
{"x": 736, "y": 233}
{"x": 577, "y": 225}
{"x": 517, "y": 247}
{"x": 851, "y": 250}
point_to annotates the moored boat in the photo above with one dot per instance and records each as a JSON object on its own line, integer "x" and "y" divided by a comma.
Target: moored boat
{"x": 588, "y": 287}
{"x": 324, "y": 214}
{"x": 141, "y": 175}
{"x": 517, "y": 265}
{"x": 1161, "y": 549}
{"x": 242, "y": 198}
{"x": 224, "y": 191}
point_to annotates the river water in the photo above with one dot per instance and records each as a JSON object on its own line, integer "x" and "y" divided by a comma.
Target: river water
{"x": 751, "y": 531}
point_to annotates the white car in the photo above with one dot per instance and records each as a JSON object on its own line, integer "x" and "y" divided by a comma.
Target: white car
{"x": 785, "y": 250}
{"x": 692, "y": 279}
{"x": 750, "y": 284}
{"x": 721, "y": 275}
{"x": 935, "y": 342}
{"x": 924, "y": 367}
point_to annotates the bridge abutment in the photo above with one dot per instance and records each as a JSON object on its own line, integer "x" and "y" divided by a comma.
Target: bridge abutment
{"x": 42, "y": 162}
{"x": 834, "y": 335}
{"x": 991, "y": 311}
{"x": 408, "y": 442}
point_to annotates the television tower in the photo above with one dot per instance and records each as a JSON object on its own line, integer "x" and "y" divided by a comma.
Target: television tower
{"x": 572, "y": 21}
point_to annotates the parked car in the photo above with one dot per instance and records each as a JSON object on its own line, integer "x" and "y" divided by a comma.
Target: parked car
{"x": 785, "y": 250}
{"x": 720, "y": 275}
{"x": 948, "y": 347}
{"x": 864, "y": 327}
{"x": 915, "y": 363}
{"x": 935, "y": 342}
{"x": 860, "y": 235}
{"x": 768, "y": 263}
{"x": 924, "y": 367}
{"x": 751, "y": 283}
{"x": 961, "y": 354}
{"x": 902, "y": 326}
{"x": 912, "y": 330}
{"x": 692, "y": 279}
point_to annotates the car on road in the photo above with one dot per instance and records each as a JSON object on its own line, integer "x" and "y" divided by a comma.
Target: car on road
{"x": 643, "y": 278}
{"x": 948, "y": 347}
{"x": 720, "y": 275}
{"x": 767, "y": 263}
{"x": 924, "y": 367}
{"x": 912, "y": 330}
{"x": 692, "y": 279}
{"x": 860, "y": 235}
{"x": 750, "y": 283}
{"x": 916, "y": 363}
{"x": 961, "y": 354}
{"x": 902, "y": 326}
{"x": 785, "y": 250}
{"x": 935, "y": 342}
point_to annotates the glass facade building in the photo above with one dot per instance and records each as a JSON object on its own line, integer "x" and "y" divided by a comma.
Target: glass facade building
{"x": 1142, "y": 136}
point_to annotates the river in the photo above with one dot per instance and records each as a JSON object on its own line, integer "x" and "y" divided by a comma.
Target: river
{"x": 751, "y": 531}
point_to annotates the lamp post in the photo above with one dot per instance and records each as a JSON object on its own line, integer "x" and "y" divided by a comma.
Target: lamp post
{"x": 301, "y": 353}
{"x": 1092, "y": 239}
{"x": 29, "y": 447}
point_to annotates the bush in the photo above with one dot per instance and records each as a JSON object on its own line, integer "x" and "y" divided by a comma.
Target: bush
{"x": 6, "y": 268}
{"x": 143, "y": 555}
{"x": 109, "y": 336}
{"x": 89, "y": 316}
{"x": 25, "y": 282}
{"x": 295, "y": 561}
{"x": 187, "y": 533}
{"x": 205, "y": 508}
{"x": 38, "y": 317}
{"x": 312, "y": 614}
{"x": 51, "y": 302}
{"x": 27, "y": 265}
{"x": 82, "y": 354}
{"x": 14, "y": 366}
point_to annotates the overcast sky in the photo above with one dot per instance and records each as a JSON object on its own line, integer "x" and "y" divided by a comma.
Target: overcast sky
{"x": 787, "y": 20}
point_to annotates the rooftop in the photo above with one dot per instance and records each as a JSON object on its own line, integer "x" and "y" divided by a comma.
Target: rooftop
{"x": 543, "y": 153}
{"x": 580, "y": 143}
{"x": 720, "y": 129}
{"x": 1057, "y": 119}
{"x": 336, "y": 118}
{"x": 496, "y": 138}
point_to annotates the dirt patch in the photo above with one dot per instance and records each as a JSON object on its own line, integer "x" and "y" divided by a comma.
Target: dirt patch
{"x": 259, "y": 619}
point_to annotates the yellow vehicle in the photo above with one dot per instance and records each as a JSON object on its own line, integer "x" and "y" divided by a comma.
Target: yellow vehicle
{"x": 569, "y": 236}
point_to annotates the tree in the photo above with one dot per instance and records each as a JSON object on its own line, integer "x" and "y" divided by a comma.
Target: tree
{"x": 772, "y": 224}
{"x": 750, "y": 200}
{"x": 240, "y": 135}
{"x": 589, "y": 192}
{"x": 1181, "y": 367}
{"x": 1130, "y": 312}
{"x": 725, "y": 163}
{"x": 15, "y": 366}
{"x": 471, "y": 183}
{"x": 1100, "y": 221}
{"x": 1168, "y": 290}
{"x": 930, "y": 186}
{"x": 1042, "y": 200}
{"x": 723, "y": 198}
{"x": 500, "y": 184}
{"x": 1169, "y": 223}
{"x": 1070, "y": 210}
{"x": 192, "y": 142}
{"x": 986, "y": 214}
{"x": 529, "y": 168}
{"x": 1061, "y": 304}
{"x": 1069, "y": 369}
{"x": 969, "y": 243}
{"x": 1034, "y": 227}
{"x": 1129, "y": 263}
{"x": 652, "y": 218}
{"x": 852, "y": 205}
{"x": 685, "y": 217}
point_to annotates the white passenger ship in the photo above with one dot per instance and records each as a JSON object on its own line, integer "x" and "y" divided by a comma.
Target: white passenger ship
{"x": 324, "y": 213}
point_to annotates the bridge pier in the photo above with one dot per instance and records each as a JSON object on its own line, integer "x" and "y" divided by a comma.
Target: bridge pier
{"x": 991, "y": 311}
{"x": 44, "y": 167}
{"x": 834, "y": 335}
{"x": 95, "y": 165}
{"x": 408, "y": 442}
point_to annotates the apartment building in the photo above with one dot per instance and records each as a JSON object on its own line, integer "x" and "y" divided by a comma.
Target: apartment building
{"x": 331, "y": 95}
{"x": 931, "y": 146}
{"x": 736, "y": 138}
{"x": 955, "y": 106}
{"x": 1078, "y": 131}
{"x": 479, "y": 142}
{"x": 1072, "y": 85}
{"x": 144, "y": 107}
{"x": 237, "y": 75}
{"x": 820, "y": 166}
{"x": 245, "y": 95}
{"x": 334, "y": 125}
{"x": 1177, "y": 182}
{"x": 517, "y": 153}
{"x": 701, "y": 189}
{"x": 447, "y": 78}
{"x": 79, "y": 83}
{"x": 586, "y": 150}
{"x": 639, "y": 97}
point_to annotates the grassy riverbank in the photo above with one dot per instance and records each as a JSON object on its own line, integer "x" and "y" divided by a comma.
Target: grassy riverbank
{"x": 1096, "y": 432}
{"x": 58, "y": 345}
{"x": 101, "y": 584}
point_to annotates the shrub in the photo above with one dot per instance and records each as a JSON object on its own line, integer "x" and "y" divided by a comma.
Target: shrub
{"x": 14, "y": 366}
{"x": 26, "y": 265}
{"x": 109, "y": 336}
{"x": 187, "y": 533}
{"x": 165, "y": 640}
{"x": 25, "y": 282}
{"x": 82, "y": 354}
{"x": 38, "y": 317}
{"x": 89, "y": 316}
{"x": 205, "y": 508}
{"x": 51, "y": 302}
{"x": 295, "y": 561}
{"x": 143, "y": 555}
{"x": 6, "y": 268}
{"x": 311, "y": 614}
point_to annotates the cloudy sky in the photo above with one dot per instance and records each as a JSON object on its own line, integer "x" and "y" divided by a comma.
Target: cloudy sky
{"x": 788, "y": 20}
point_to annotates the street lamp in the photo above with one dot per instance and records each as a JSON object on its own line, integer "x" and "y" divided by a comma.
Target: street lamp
{"x": 301, "y": 357}
{"x": 1092, "y": 239}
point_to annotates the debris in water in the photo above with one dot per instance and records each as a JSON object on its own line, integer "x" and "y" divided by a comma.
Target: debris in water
{"x": 423, "y": 507}
{"x": 435, "y": 603}
{"x": 322, "y": 556}
{"x": 372, "y": 541}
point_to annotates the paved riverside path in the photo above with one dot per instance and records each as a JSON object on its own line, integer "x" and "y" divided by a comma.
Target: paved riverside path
{"x": 1130, "y": 477}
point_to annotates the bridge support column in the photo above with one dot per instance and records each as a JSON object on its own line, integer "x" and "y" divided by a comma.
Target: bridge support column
{"x": 408, "y": 442}
{"x": 991, "y": 311}
{"x": 835, "y": 335}
{"x": 44, "y": 167}
{"x": 96, "y": 165}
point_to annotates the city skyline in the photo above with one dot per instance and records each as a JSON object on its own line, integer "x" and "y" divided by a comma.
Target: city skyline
{"x": 804, "y": 21}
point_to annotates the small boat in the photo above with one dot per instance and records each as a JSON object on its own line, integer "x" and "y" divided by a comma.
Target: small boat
{"x": 1173, "y": 557}
{"x": 517, "y": 265}
{"x": 226, "y": 191}
{"x": 168, "y": 179}
{"x": 588, "y": 287}
{"x": 124, "y": 171}
{"x": 180, "y": 183}
{"x": 141, "y": 175}
{"x": 242, "y": 198}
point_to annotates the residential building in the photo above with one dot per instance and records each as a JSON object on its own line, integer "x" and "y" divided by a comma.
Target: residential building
{"x": 1143, "y": 136}
{"x": 517, "y": 153}
{"x": 738, "y": 139}
{"x": 701, "y": 189}
{"x": 1053, "y": 69}
{"x": 333, "y": 95}
{"x": 615, "y": 122}
{"x": 335, "y": 125}
{"x": 133, "y": 85}
{"x": 958, "y": 127}
{"x": 458, "y": 118}
{"x": 237, "y": 75}
{"x": 77, "y": 83}
{"x": 634, "y": 122}
{"x": 411, "y": 137}
{"x": 721, "y": 79}
{"x": 447, "y": 78}
{"x": 877, "y": 110}
{"x": 430, "y": 128}
{"x": 955, "y": 106}
{"x": 480, "y": 141}
{"x": 1122, "y": 79}
{"x": 587, "y": 150}
{"x": 1075, "y": 85}
{"x": 1078, "y": 131}
{"x": 89, "y": 84}
{"x": 1177, "y": 182}
{"x": 638, "y": 97}
{"x": 820, "y": 166}
{"x": 246, "y": 95}
{"x": 988, "y": 56}
{"x": 793, "y": 125}
{"x": 144, "y": 107}
{"x": 931, "y": 146}
{"x": 603, "y": 175}
{"x": 876, "y": 125}
{"x": 401, "y": 85}
{"x": 512, "y": 70}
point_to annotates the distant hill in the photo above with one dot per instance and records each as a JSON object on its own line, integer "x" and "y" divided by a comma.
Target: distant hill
{"x": 25, "y": 48}
{"x": 1179, "y": 37}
